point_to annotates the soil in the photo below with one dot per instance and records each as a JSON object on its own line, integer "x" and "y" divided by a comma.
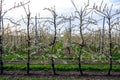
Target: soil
{"x": 62, "y": 75}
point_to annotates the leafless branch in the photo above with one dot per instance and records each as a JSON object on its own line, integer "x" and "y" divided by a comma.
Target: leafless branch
{"x": 15, "y": 6}
{"x": 12, "y": 21}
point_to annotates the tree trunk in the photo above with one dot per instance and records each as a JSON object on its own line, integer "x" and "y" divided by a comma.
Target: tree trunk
{"x": 53, "y": 66}
{"x": 110, "y": 48}
{"x": 1, "y": 62}
{"x": 68, "y": 50}
{"x": 55, "y": 29}
{"x": 79, "y": 65}
{"x": 81, "y": 46}
{"x": 21, "y": 42}
{"x": 28, "y": 36}
{"x": 54, "y": 42}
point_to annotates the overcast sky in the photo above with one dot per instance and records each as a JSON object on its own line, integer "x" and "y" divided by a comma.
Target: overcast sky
{"x": 62, "y": 6}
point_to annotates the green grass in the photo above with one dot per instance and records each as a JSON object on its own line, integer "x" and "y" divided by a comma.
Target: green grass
{"x": 22, "y": 56}
{"x": 65, "y": 67}
{"x": 60, "y": 78}
{"x": 42, "y": 78}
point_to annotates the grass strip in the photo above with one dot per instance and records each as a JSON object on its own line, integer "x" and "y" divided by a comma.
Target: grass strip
{"x": 61, "y": 67}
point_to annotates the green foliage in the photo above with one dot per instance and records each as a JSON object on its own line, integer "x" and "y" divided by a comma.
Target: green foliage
{"x": 116, "y": 53}
{"x": 55, "y": 51}
{"x": 57, "y": 48}
{"x": 94, "y": 48}
{"x": 116, "y": 56}
{"x": 14, "y": 56}
{"x": 76, "y": 49}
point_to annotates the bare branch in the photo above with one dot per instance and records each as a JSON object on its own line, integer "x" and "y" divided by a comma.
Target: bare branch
{"x": 15, "y": 6}
{"x": 101, "y": 5}
{"x": 74, "y": 5}
{"x": 52, "y": 10}
{"x": 12, "y": 21}
{"x": 110, "y": 9}
{"x": 117, "y": 12}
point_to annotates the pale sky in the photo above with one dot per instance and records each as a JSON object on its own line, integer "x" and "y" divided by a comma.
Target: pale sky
{"x": 62, "y": 6}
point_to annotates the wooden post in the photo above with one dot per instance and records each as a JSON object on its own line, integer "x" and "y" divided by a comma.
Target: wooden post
{"x": 102, "y": 37}
{"x": 36, "y": 35}
{"x": 69, "y": 38}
